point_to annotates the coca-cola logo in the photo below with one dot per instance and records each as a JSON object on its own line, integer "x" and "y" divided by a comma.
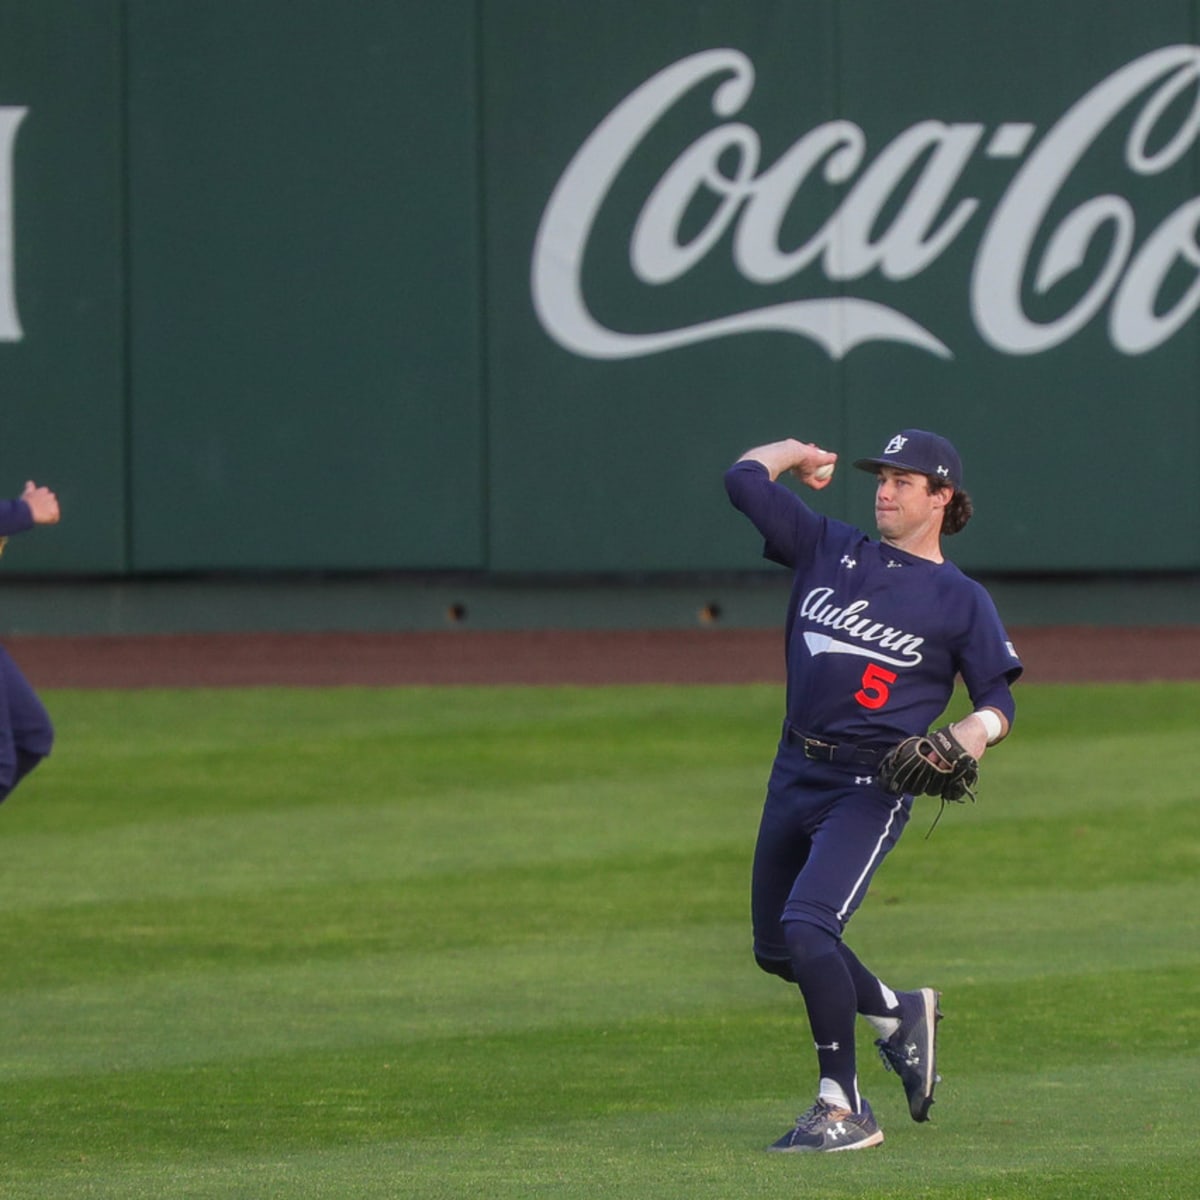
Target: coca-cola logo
{"x": 1018, "y": 245}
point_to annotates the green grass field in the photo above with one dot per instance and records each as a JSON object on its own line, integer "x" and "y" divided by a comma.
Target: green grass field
{"x": 494, "y": 943}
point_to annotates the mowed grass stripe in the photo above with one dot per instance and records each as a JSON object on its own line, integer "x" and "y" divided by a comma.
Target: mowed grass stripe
{"x": 514, "y": 1079}
{"x": 251, "y": 748}
{"x": 62, "y": 945}
{"x": 646, "y": 1157}
{"x": 995, "y": 1147}
{"x": 229, "y": 859}
{"x": 549, "y": 1129}
{"x": 57, "y": 945}
{"x": 197, "y": 1016}
{"x": 403, "y": 837}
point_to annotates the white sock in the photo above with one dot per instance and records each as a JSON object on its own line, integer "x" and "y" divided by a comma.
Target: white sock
{"x": 886, "y": 1026}
{"x": 833, "y": 1093}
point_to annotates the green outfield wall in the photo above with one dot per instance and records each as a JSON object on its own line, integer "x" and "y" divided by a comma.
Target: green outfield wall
{"x": 501, "y": 286}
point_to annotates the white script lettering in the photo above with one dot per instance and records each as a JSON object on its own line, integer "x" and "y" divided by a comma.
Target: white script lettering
{"x": 897, "y": 217}
{"x": 849, "y": 620}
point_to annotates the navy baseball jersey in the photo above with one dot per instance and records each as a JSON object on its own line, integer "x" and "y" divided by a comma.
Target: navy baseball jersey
{"x": 875, "y": 637}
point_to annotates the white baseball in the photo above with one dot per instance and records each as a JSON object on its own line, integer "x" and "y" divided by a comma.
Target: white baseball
{"x": 824, "y": 472}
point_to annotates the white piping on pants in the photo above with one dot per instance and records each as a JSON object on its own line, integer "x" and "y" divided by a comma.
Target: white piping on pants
{"x": 841, "y": 916}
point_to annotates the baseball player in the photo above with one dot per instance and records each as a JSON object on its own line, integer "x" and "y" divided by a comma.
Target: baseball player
{"x": 26, "y": 734}
{"x": 876, "y": 634}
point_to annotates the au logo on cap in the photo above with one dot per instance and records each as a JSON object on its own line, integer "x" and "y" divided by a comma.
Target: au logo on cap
{"x": 897, "y": 443}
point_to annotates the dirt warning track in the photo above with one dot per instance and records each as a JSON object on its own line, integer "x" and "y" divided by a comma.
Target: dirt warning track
{"x": 1050, "y": 655}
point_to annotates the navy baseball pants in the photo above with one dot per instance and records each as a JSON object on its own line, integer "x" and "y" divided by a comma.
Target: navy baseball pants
{"x": 825, "y": 829}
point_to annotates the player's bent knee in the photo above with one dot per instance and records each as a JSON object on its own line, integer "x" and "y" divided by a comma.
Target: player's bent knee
{"x": 776, "y": 966}
{"x": 807, "y": 941}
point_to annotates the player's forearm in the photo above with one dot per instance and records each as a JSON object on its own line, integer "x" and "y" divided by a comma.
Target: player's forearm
{"x": 978, "y": 731}
{"x": 789, "y": 455}
{"x": 777, "y": 457}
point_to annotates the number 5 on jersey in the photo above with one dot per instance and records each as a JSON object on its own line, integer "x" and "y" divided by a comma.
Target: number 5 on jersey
{"x": 875, "y": 691}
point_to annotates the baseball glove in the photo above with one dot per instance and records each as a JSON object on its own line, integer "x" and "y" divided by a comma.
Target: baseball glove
{"x": 935, "y": 764}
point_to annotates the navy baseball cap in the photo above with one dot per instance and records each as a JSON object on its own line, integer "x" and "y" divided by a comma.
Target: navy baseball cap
{"x": 920, "y": 451}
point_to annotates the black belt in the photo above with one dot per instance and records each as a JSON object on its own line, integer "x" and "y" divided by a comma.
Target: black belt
{"x": 848, "y": 753}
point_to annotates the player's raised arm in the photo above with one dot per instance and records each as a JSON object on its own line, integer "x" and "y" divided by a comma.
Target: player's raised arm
{"x": 809, "y": 463}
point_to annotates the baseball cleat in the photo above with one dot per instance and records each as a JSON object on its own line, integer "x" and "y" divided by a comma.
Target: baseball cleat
{"x": 825, "y": 1128}
{"x": 912, "y": 1050}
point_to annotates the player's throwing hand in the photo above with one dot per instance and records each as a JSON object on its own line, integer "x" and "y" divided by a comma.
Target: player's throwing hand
{"x": 43, "y": 503}
{"x": 806, "y": 461}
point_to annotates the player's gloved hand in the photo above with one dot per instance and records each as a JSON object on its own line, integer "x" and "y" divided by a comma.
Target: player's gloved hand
{"x": 933, "y": 764}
